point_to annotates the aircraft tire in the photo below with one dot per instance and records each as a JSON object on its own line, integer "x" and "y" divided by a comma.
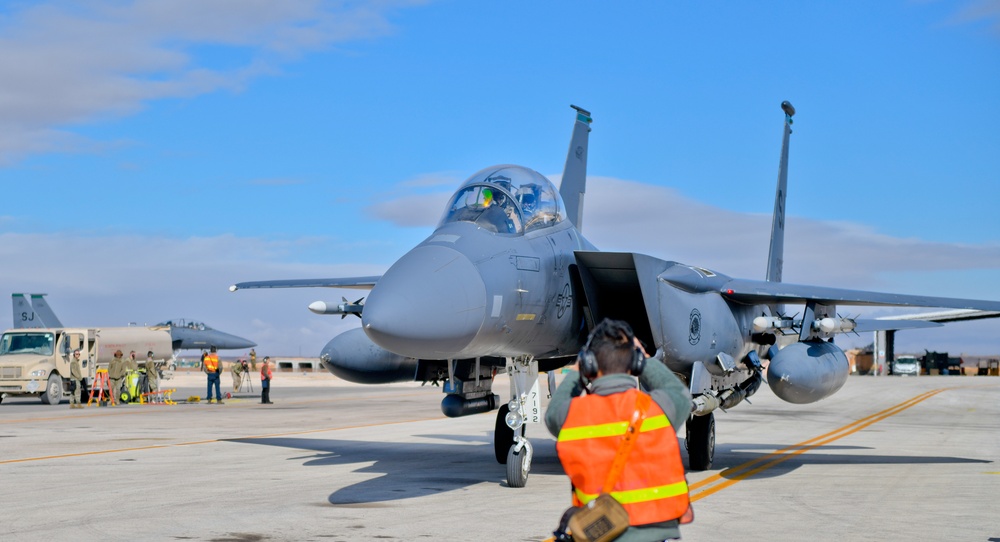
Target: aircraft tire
{"x": 700, "y": 441}
{"x": 53, "y": 390}
{"x": 503, "y": 436}
{"x": 517, "y": 471}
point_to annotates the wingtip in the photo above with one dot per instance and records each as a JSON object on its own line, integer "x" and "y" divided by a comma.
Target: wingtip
{"x": 233, "y": 288}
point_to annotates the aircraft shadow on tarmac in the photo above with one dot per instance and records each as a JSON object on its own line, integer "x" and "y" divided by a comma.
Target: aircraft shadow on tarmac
{"x": 412, "y": 469}
{"x": 731, "y": 455}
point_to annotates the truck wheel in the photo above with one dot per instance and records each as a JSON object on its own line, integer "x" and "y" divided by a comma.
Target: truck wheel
{"x": 53, "y": 390}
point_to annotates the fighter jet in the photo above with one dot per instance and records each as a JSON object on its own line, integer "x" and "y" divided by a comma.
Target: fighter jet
{"x": 184, "y": 334}
{"x": 506, "y": 283}
{"x": 190, "y": 335}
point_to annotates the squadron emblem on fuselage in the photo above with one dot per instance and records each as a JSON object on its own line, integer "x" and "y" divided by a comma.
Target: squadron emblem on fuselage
{"x": 694, "y": 328}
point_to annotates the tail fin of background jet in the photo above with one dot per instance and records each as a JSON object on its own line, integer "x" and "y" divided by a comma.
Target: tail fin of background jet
{"x": 24, "y": 315}
{"x": 43, "y": 310}
{"x": 574, "y": 178}
{"x": 776, "y": 255}
{"x": 36, "y": 314}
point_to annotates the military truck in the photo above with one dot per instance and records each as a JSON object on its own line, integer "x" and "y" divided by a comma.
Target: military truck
{"x": 35, "y": 362}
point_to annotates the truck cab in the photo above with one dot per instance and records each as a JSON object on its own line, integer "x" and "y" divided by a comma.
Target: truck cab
{"x": 36, "y": 361}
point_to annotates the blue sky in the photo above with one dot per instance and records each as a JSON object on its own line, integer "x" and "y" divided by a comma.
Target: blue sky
{"x": 154, "y": 152}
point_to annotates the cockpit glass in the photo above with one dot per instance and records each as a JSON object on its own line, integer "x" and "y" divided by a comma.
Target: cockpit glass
{"x": 506, "y": 199}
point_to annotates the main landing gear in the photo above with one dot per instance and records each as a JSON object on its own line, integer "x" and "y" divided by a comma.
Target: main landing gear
{"x": 700, "y": 441}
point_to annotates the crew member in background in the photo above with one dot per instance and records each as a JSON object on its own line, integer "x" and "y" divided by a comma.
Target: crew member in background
{"x": 651, "y": 486}
{"x": 116, "y": 375}
{"x": 131, "y": 364}
{"x": 152, "y": 375}
{"x": 76, "y": 379}
{"x": 253, "y": 360}
{"x": 214, "y": 371}
{"x": 237, "y": 370}
{"x": 265, "y": 382}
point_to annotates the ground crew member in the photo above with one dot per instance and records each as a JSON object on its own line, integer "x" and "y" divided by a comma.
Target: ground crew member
{"x": 76, "y": 379}
{"x": 253, "y": 360}
{"x": 652, "y": 486}
{"x": 116, "y": 375}
{"x": 131, "y": 363}
{"x": 152, "y": 375}
{"x": 237, "y": 370}
{"x": 265, "y": 382}
{"x": 214, "y": 371}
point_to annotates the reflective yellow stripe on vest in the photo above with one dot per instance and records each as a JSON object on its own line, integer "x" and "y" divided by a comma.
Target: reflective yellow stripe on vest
{"x": 611, "y": 429}
{"x": 639, "y": 495}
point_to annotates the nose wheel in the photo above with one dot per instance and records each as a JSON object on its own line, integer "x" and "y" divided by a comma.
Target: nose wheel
{"x": 503, "y": 436}
{"x": 519, "y": 463}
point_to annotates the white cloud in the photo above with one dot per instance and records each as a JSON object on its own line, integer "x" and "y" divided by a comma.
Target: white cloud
{"x": 64, "y": 63}
{"x": 979, "y": 11}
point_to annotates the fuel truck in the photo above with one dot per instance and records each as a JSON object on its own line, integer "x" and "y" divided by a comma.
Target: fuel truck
{"x": 35, "y": 362}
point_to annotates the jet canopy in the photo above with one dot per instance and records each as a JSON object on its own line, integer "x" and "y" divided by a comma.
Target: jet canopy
{"x": 181, "y": 323}
{"x": 506, "y": 199}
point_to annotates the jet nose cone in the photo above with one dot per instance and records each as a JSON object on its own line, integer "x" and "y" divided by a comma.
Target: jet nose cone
{"x": 429, "y": 304}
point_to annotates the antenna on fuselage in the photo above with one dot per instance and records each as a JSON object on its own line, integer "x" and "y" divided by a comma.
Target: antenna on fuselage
{"x": 574, "y": 178}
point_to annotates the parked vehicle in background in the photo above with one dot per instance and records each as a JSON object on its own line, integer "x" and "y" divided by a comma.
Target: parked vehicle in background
{"x": 906, "y": 366}
{"x": 35, "y": 362}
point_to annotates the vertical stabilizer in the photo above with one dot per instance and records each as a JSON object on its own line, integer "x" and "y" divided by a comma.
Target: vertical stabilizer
{"x": 43, "y": 311}
{"x": 574, "y": 178}
{"x": 24, "y": 316}
{"x": 776, "y": 255}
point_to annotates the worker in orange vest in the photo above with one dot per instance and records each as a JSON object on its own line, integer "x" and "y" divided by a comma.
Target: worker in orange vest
{"x": 591, "y": 427}
{"x": 265, "y": 382}
{"x": 213, "y": 369}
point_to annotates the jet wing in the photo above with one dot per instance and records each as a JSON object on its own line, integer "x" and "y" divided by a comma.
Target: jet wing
{"x": 357, "y": 283}
{"x": 763, "y": 292}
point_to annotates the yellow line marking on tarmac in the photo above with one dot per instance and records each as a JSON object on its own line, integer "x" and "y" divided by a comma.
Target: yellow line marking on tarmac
{"x": 211, "y": 441}
{"x": 730, "y": 476}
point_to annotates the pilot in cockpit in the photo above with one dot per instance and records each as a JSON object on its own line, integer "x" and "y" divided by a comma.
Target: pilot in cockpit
{"x": 498, "y": 213}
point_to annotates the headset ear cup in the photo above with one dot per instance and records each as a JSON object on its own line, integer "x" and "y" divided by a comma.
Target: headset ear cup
{"x": 638, "y": 362}
{"x": 588, "y": 364}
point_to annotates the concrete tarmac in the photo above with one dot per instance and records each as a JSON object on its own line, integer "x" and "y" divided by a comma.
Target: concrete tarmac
{"x": 886, "y": 458}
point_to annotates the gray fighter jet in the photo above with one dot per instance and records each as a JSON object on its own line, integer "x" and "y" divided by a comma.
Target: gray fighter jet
{"x": 506, "y": 283}
{"x": 184, "y": 334}
{"x": 189, "y": 335}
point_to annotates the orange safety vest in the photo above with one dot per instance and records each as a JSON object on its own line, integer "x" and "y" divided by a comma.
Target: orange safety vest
{"x": 652, "y": 487}
{"x": 211, "y": 363}
{"x": 265, "y": 375}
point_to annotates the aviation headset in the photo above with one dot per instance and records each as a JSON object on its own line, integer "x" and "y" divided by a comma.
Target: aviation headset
{"x": 588, "y": 359}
